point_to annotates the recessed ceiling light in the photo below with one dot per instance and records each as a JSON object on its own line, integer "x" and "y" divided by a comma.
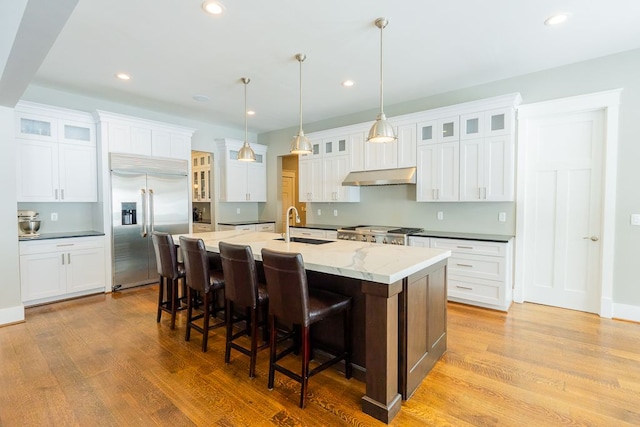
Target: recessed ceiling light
{"x": 347, "y": 83}
{"x": 556, "y": 19}
{"x": 251, "y": 113}
{"x": 200, "y": 98}
{"x": 213, "y": 7}
{"x": 123, "y": 76}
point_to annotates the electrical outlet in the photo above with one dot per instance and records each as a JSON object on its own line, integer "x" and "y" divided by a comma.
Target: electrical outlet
{"x": 54, "y": 216}
{"x": 335, "y": 212}
{"x": 238, "y": 211}
{"x": 319, "y": 212}
{"x": 502, "y": 217}
{"x": 440, "y": 216}
{"x": 635, "y": 219}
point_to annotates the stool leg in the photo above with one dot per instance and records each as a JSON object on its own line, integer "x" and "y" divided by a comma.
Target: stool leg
{"x": 306, "y": 353}
{"x": 174, "y": 301}
{"x": 347, "y": 343}
{"x": 272, "y": 351}
{"x": 205, "y": 327}
{"x": 265, "y": 321}
{"x": 160, "y": 296}
{"x": 190, "y": 297}
{"x": 254, "y": 342}
{"x": 229, "y": 327}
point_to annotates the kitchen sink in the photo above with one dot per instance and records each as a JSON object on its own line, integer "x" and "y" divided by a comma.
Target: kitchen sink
{"x": 307, "y": 240}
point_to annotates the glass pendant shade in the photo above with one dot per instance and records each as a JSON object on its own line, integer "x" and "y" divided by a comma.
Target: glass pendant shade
{"x": 382, "y": 131}
{"x": 246, "y": 153}
{"x": 300, "y": 143}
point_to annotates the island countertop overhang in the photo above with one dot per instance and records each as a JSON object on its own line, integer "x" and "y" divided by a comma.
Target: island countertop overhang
{"x": 358, "y": 260}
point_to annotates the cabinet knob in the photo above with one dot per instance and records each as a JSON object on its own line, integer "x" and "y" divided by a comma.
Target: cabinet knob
{"x": 592, "y": 238}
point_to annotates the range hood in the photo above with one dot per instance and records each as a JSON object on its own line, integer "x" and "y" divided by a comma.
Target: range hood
{"x": 381, "y": 177}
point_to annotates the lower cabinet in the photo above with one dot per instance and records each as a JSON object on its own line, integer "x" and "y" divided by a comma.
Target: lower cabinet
{"x": 479, "y": 272}
{"x": 313, "y": 232}
{"x": 61, "y": 268}
{"x": 268, "y": 227}
{"x": 199, "y": 227}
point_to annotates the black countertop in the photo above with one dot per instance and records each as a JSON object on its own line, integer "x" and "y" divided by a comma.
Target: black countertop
{"x": 319, "y": 226}
{"x": 465, "y": 236}
{"x": 246, "y": 222}
{"x": 61, "y": 235}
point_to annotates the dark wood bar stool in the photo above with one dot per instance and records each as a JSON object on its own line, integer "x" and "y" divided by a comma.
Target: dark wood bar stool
{"x": 291, "y": 301}
{"x": 171, "y": 273}
{"x": 202, "y": 283}
{"x": 242, "y": 290}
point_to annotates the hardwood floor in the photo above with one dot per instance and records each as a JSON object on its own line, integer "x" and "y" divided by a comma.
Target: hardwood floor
{"x": 103, "y": 360}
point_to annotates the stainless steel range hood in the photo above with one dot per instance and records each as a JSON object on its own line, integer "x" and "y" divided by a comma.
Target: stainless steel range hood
{"x": 381, "y": 177}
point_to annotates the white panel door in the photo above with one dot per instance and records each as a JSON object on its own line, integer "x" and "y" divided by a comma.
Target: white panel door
{"x": 563, "y": 210}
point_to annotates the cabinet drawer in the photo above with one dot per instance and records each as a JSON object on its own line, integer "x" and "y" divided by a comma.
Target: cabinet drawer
{"x": 307, "y": 232}
{"x": 202, "y": 228}
{"x": 475, "y": 290}
{"x": 266, "y": 227}
{"x": 331, "y": 234}
{"x": 60, "y": 245}
{"x": 475, "y": 247}
{"x": 480, "y": 266}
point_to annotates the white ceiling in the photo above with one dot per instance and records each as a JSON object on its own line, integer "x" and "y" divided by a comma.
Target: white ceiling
{"x": 173, "y": 51}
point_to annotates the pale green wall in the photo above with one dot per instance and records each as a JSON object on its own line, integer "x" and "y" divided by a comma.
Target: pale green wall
{"x": 10, "y": 284}
{"x": 396, "y": 205}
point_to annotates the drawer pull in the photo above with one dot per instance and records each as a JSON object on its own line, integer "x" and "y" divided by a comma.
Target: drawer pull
{"x": 66, "y": 244}
{"x": 464, "y": 247}
{"x": 305, "y": 234}
{"x": 62, "y": 259}
{"x": 464, "y": 287}
{"x": 464, "y": 265}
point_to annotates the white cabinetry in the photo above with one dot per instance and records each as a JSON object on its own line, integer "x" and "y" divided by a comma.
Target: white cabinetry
{"x": 200, "y": 227}
{"x": 201, "y": 174}
{"x": 313, "y": 232}
{"x": 437, "y": 172}
{"x": 419, "y": 241}
{"x": 479, "y": 272}
{"x": 322, "y": 171}
{"x": 266, "y": 227}
{"x": 407, "y": 141}
{"x": 131, "y": 135}
{"x": 242, "y": 181}
{"x": 61, "y": 268}
{"x": 56, "y": 155}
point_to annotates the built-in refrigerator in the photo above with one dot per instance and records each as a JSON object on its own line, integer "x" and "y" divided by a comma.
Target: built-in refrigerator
{"x": 147, "y": 194}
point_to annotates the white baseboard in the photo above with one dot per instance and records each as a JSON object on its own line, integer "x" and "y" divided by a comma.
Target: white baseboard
{"x": 11, "y": 315}
{"x": 626, "y": 312}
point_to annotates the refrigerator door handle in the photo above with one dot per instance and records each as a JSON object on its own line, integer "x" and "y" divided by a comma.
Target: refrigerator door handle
{"x": 143, "y": 195}
{"x": 151, "y": 209}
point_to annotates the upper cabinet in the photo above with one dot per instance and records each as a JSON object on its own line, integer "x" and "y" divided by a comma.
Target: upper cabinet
{"x": 201, "y": 176}
{"x": 242, "y": 181}
{"x": 56, "y": 154}
{"x": 322, "y": 171}
{"x": 125, "y": 134}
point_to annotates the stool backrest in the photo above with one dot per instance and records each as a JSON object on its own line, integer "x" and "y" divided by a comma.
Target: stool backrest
{"x": 166, "y": 255}
{"x": 196, "y": 264}
{"x": 240, "y": 274}
{"x": 287, "y": 286}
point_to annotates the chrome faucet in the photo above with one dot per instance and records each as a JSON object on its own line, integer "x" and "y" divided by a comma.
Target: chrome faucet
{"x": 287, "y": 235}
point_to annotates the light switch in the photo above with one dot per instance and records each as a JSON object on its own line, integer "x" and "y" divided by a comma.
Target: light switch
{"x": 319, "y": 212}
{"x": 335, "y": 212}
{"x": 502, "y": 216}
{"x": 635, "y": 219}
{"x": 440, "y": 215}
{"x": 238, "y": 211}
{"x": 54, "y": 216}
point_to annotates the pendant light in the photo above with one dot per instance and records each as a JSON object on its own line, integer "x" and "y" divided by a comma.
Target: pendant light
{"x": 246, "y": 154}
{"x": 300, "y": 143}
{"x": 382, "y": 130}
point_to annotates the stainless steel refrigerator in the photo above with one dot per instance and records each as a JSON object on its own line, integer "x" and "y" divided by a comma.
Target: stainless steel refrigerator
{"x": 147, "y": 194}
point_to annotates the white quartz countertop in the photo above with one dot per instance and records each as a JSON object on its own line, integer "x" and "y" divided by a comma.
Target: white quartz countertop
{"x": 365, "y": 261}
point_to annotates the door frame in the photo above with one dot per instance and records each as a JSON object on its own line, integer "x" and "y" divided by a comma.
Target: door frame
{"x": 609, "y": 101}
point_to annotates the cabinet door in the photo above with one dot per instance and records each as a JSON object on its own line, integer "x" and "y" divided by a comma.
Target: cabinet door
{"x": 472, "y": 170}
{"x": 73, "y": 132}
{"x": 257, "y": 182}
{"x": 271, "y": 227}
{"x": 437, "y": 172}
{"x": 340, "y": 170}
{"x": 447, "y": 129}
{"x": 427, "y": 132}
{"x": 141, "y": 141}
{"x": 181, "y": 147}
{"x": 498, "y": 122}
{"x": 34, "y": 126}
{"x": 498, "y": 168}
{"x": 472, "y": 126}
{"x": 37, "y": 166}
{"x": 119, "y": 138}
{"x": 380, "y": 155}
{"x": 85, "y": 269}
{"x": 78, "y": 173}
{"x": 43, "y": 275}
{"x": 235, "y": 182}
{"x": 356, "y": 151}
{"x": 160, "y": 143}
{"x": 407, "y": 146}
{"x": 310, "y": 180}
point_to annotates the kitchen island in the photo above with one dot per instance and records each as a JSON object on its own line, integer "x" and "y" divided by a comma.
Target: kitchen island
{"x": 399, "y": 307}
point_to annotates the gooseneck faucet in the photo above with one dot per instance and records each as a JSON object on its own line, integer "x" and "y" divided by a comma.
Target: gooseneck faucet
{"x": 287, "y": 237}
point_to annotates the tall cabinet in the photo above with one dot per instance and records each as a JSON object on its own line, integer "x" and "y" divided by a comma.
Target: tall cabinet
{"x": 56, "y": 154}
{"x": 242, "y": 181}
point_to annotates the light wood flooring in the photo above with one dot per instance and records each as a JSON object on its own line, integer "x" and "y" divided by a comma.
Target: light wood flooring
{"x": 103, "y": 360}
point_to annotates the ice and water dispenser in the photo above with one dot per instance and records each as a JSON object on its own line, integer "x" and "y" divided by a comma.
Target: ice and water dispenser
{"x": 129, "y": 213}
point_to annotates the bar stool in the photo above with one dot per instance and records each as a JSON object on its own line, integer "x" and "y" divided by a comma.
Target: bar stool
{"x": 171, "y": 272}
{"x": 242, "y": 290}
{"x": 291, "y": 301}
{"x": 203, "y": 283}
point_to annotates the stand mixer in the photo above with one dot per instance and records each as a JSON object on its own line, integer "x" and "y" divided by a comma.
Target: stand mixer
{"x": 28, "y": 223}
